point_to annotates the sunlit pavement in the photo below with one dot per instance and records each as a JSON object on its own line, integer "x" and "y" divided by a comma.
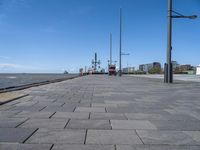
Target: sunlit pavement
{"x": 104, "y": 113}
{"x": 177, "y": 77}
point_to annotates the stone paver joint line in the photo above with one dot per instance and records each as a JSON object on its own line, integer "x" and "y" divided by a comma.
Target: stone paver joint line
{"x": 30, "y": 135}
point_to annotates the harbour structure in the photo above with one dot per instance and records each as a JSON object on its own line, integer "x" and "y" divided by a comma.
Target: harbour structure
{"x": 111, "y": 66}
{"x": 95, "y": 64}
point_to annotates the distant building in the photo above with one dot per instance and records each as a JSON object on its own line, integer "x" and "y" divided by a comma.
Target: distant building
{"x": 175, "y": 65}
{"x": 147, "y": 67}
{"x": 185, "y": 67}
{"x": 198, "y": 70}
{"x": 128, "y": 70}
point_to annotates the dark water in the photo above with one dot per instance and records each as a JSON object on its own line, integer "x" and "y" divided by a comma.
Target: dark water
{"x": 10, "y": 80}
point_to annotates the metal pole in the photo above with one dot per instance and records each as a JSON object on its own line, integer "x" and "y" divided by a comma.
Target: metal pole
{"x": 110, "y": 48}
{"x": 168, "y": 66}
{"x": 95, "y": 62}
{"x": 120, "y": 45}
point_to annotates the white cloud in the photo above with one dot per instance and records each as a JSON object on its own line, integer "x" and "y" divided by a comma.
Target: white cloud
{"x": 17, "y": 67}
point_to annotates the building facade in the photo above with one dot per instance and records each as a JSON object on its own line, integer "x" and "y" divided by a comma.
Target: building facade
{"x": 146, "y": 67}
{"x": 175, "y": 65}
{"x": 128, "y": 70}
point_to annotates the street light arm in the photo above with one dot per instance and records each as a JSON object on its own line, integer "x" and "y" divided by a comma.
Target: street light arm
{"x": 177, "y": 13}
{"x": 183, "y": 16}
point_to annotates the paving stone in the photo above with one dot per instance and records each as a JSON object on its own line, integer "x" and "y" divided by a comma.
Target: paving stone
{"x": 57, "y": 136}
{"x": 90, "y": 109}
{"x": 107, "y": 116}
{"x": 27, "y": 108}
{"x": 111, "y": 137}
{"x": 194, "y": 135}
{"x": 142, "y": 116}
{"x": 26, "y": 103}
{"x": 71, "y": 115}
{"x": 41, "y": 103}
{"x": 11, "y": 122}
{"x": 45, "y": 123}
{"x": 28, "y": 114}
{"x": 165, "y": 137}
{"x": 16, "y": 146}
{"x": 59, "y": 109}
{"x": 104, "y": 105}
{"x": 83, "y": 147}
{"x": 156, "y": 147}
{"x": 132, "y": 124}
{"x": 89, "y": 124}
{"x": 15, "y": 134}
{"x": 177, "y": 125}
{"x": 4, "y": 114}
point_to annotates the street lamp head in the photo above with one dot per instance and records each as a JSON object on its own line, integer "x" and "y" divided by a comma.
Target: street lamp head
{"x": 193, "y": 17}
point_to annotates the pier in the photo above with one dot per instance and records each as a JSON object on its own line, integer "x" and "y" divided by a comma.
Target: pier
{"x": 98, "y": 112}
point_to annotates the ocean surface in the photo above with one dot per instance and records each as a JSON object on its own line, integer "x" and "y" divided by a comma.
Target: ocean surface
{"x": 13, "y": 80}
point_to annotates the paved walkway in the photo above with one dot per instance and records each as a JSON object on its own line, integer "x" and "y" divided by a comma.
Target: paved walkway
{"x": 103, "y": 113}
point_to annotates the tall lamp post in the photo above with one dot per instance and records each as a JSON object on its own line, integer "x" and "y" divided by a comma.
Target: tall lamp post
{"x": 168, "y": 76}
{"x": 120, "y": 45}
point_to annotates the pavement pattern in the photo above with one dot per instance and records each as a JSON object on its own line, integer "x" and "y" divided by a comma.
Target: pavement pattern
{"x": 104, "y": 113}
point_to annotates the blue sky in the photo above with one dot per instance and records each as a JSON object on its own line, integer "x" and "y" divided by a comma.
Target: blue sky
{"x": 57, "y": 35}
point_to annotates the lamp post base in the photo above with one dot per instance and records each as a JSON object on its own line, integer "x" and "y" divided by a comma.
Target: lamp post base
{"x": 168, "y": 76}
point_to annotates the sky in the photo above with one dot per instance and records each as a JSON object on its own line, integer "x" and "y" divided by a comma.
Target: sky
{"x": 50, "y": 36}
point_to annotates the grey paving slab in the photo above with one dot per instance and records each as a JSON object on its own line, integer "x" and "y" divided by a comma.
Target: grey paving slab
{"x": 104, "y": 105}
{"x": 83, "y": 147}
{"x": 11, "y": 122}
{"x": 41, "y": 103}
{"x": 15, "y": 134}
{"x": 27, "y": 108}
{"x": 90, "y": 109}
{"x": 107, "y": 116}
{"x": 156, "y": 147}
{"x": 58, "y": 136}
{"x": 5, "y": 108}
{"x": 17, "y": 146}
{"x": 142, "y": 116}
{"x": 59, "y": 109}
{"x": 45, "y": 123}
{"x": 89, "y": 124}
{"x": 194, "y": 135}
{"x": 44, "y": 98}
{"x": 132, "y": 124}
{"x": 4, "y": 114}
{"x": 111, "y": 137}
{"x": 26, "y": 103}
{"x": 177, "y": 125}
{"x": 166, "y": 137}
{"x": 71, "y": 115}
{"x": 28, "y": 114}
